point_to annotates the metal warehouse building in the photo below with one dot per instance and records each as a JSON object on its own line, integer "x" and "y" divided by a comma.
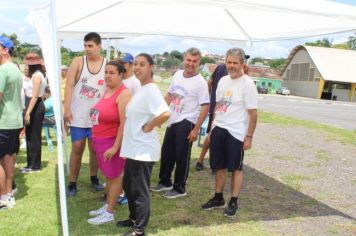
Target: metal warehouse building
{"x": 319, "y": 72}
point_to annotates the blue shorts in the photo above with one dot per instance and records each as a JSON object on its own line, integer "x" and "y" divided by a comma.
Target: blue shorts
{"x": 77, "y": 134}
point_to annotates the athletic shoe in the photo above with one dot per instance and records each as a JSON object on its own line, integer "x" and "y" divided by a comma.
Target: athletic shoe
{"x": 122, "y": 200}
{"x": 174, "y": 194}
{"x": 100, "y": 211}
{"x": 199, "y": 166}
{"x": 125, "y": 223}
{"x": 71, "y": 191}
{"x": 213, "y": 203}
{"x": 231, "y": 209}
{"x": 13, "y": 191}
{"x": 29, "y": 170}
{"x": 97, "y": 186}
{"x": 160, "y": 187}
{"x": 105, "y": 217}
{"x": 7, "y": 204}
{"x": 132, "y": 232}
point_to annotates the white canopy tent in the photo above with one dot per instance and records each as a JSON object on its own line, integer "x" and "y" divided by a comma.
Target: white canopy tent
{"x": 232, "y": 21}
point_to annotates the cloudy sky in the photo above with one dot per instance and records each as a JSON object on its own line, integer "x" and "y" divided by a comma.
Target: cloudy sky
{"x": 13, "y": 19}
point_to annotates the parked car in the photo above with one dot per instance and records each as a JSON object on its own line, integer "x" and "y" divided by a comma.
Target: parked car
{"x": 263, "y": 90}
{"x": 283, "y": 91}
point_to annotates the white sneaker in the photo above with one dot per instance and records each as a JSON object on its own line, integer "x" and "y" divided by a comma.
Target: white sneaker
{"x": 100, "y": 211}
{"x": 105, "y": 217}
{"x": 7, "y": 204}
{"x": 13, "y": 192}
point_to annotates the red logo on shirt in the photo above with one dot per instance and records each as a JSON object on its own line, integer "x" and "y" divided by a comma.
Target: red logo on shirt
{"x": 101, "y": 82}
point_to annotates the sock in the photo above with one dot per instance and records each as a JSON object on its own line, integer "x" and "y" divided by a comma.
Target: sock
{"x": 219, "y": 196}
{"x": 234, "y": 199}
{"x": 94, "y": 179}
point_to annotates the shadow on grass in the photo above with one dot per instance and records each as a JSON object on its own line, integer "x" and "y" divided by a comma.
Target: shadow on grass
{"x": 262, "y": 199}
{"x": 19, "y": 177}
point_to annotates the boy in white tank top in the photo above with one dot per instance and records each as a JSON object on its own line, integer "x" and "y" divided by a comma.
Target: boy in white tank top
{"x": 84, "y": 86}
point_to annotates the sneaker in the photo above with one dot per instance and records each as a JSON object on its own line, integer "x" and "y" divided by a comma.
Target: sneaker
{"x": 132, "y": 232}
{"x": 7, "y": 204}
{"x": 231, "y": 209}
{"x": 213, "y": 203}
{"x": 100, "y": 211}
{"x": 71, "y": 191}
{"x": 97, "y": 186}
{"x": 13, "y": 191}
{"x": 125, "y": 223}
{"x": 174, "y": 194}
{"x": 105, "y": 217}
{"x": 199, "y": 166}
{"x": 29, "y": 171}
{"x": 122, "y": 200}
{"x": 160, "y": 187}
{"x": 24, "y": 169}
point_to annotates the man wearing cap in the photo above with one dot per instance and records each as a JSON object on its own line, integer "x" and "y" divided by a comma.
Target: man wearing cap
{"x": 129, "y": 79}
{"x": 232, "y": 131}
{"x": 84, "y": 87}
{"x": 10, "y": 120}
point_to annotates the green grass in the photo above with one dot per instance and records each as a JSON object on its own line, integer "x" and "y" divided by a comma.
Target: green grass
{"x": 36, "y": 211}
{"x": 322, "y": 155}
{"x": 295, "y": 181}
{"x": 341, "y": 135}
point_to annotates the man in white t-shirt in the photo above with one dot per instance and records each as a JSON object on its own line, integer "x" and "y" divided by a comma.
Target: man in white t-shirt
{"x": 232, "y": 132}
{"x": 188, "y": 97}
{"x": 129, "y": 79}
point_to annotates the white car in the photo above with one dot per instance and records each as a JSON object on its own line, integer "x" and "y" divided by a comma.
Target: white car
{"x": 283, "y": 91}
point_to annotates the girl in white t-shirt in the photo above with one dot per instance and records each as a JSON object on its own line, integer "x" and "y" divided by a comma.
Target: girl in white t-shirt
{"x": 140, "y": 144}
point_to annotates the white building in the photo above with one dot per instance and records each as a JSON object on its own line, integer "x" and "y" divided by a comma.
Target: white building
{"x": 319, "y": 72}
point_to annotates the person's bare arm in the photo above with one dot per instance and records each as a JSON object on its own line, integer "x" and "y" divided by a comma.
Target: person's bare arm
{"x": 193, "y": 135}
{"x": 36, "y": 80}
{"x": 251, "y": 128}
{"x": 156, "y": 122}
{"x": 72, "y": 79}
{"x": 168, "y": 98}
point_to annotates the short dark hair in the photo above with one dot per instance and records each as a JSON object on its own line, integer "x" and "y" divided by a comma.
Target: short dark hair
{"x": 93, "y": 36}
{"x": 120, "y": 68}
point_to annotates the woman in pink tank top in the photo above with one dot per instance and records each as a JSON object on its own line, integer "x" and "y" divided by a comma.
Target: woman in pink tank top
{"x": 108, "y": 117}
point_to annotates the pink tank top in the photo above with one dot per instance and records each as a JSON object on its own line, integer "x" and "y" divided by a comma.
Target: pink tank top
{"x": 105, "y": 116}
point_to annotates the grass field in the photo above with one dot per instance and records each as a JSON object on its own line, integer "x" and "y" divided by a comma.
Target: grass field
{"x": 37, "y": 211}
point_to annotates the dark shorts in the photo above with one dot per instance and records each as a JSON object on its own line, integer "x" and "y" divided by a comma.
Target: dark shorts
{"x": 77, "y": 134}
{"x": 226, "y": 152}
{"x": 8, "y": 142}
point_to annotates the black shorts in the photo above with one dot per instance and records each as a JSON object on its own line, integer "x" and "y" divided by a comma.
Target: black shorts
{"x": 226, "y": 152}
{"x": 8, "y": 141}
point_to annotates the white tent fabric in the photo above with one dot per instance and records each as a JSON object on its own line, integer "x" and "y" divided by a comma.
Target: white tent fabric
{"x": 228, "y": 20}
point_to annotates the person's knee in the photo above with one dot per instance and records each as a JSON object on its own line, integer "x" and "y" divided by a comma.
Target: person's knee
{"x": 78, "y": 147}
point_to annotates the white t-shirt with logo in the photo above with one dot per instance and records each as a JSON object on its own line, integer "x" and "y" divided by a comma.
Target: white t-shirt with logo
{"x": 188, "y": 95}
{"x": 132, "y": 84}
{"x": 234, "y": 97}
{"x": 144, "y": 106}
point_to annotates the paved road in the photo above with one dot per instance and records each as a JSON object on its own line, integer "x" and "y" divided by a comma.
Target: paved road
{"x": 335, "y": 113}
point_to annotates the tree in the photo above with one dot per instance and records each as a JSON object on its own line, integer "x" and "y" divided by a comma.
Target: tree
{"x": 325, "y": 42}
{"x": 171, "y": 62}
{"x": 177, "y": 55}
{"x": 207, "y": 60}
{"x": 351, "y": 42}
{"x": 278, "y": 63}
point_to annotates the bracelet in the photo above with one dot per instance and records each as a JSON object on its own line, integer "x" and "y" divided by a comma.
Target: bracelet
{"x": 249, "y": 136}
